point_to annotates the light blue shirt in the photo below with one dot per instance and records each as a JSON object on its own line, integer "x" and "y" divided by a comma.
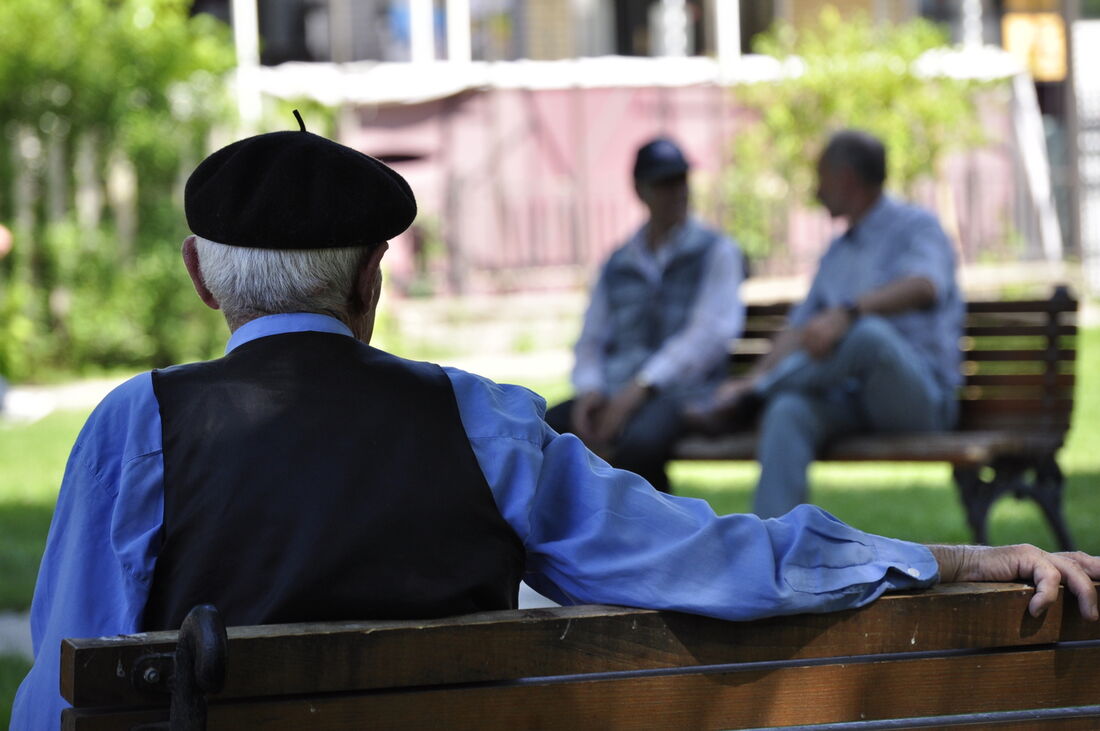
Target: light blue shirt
{"x": 892, "y": 242}
{"x": 593, "y": 534}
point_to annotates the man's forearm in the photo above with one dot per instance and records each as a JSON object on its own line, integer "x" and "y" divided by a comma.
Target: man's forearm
{"x": 910, "y": 293}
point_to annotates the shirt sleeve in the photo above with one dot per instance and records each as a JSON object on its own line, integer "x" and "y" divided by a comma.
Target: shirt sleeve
{"x": 592, "y": 343}
{"x": 95, "y": 574}
{"x": 595, "y": 534}
{"x": 927, "y": 254}
{"x": 716, "y": 318}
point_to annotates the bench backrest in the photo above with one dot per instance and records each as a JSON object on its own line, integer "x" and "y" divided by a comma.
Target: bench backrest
{"x": 1019, "y": 360}
{"x": 956, "y": 650}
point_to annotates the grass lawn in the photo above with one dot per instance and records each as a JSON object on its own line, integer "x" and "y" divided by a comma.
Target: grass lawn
{"x": 912, "y": 501}
{"x": 32, "y": 460}
{"x": 12, "y": 672}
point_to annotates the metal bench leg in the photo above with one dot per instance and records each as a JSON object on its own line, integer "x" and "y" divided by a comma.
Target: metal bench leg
{"x": 1038, "y": 479}
{"x": 977, "y": 497}
{"x": 1048, "y": 486}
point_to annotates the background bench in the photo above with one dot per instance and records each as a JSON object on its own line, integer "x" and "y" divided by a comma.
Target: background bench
{"x": 957, "y": 654}
{"x": 1014, "y": 408}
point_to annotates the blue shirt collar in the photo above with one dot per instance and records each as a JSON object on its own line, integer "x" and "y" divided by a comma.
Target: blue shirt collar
{"x": 291, "y": 322}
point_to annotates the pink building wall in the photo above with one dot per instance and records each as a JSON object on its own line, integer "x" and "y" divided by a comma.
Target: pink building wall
{"x": 530, "y": 189}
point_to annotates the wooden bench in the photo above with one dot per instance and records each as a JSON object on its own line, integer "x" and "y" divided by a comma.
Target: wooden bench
{"x": 949, "y": 657}
{"x": 1014, "y": 408}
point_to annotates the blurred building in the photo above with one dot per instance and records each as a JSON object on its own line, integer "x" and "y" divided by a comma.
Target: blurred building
{"x": 549, "y": 88}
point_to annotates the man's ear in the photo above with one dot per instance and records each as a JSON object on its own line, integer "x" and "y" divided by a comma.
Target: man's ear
{"x": 191, "y": 261}
{"x": 368, "y": 282}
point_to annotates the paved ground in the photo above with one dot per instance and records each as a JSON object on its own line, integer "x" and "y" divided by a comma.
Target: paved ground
{"x": 15, "y": 634}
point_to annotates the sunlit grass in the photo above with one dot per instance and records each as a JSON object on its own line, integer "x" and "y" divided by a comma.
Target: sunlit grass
{"x": 32, "y": 461}
{"x": 12, "y": 671}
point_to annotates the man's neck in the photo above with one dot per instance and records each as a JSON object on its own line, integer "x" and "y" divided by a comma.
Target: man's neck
{"x": 658, "y": 233}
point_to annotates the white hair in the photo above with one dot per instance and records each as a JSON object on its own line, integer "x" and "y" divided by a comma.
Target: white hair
{"x": 250, "y": 283}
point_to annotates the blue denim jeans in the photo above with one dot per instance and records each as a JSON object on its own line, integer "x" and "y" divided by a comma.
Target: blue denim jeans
{"x": 873, "y": 381}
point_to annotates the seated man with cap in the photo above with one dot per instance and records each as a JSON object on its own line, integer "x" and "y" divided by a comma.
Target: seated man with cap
{"x": 658, "y": 325}
{"x": 306, "y": 476}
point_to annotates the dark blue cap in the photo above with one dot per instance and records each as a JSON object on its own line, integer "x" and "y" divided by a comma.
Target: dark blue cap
{"x": 659, "y": 159}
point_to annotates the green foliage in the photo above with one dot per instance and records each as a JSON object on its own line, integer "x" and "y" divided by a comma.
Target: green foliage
{"x": 133, "y": 69}
{"x": 141, "y": 81}
{"x": 840, "y": 74}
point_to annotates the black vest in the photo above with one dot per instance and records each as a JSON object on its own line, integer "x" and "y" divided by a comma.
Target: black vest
{"x": 309, "y": 477}
{"x": 644, "y": 314}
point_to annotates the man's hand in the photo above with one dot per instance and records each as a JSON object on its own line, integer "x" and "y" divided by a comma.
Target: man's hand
{"x": 1076, "y": 570}
{"x": 585, "y": 415}
{"x": 732, "y": 390}
{"x": 619, "y": 409}
{"x": 821, "y": 334}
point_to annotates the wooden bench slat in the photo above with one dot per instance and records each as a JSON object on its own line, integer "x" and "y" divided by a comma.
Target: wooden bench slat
{"x": 498, "y": 646}
{"x": 974, "y": 395}
{"x": 1059, "y": 354}
{"x": 836, "y": 692}
{"x": 735, "y": 446}
{"x": 1038, "y": 380}
{"x": 957, "y": 447}
{"x": 1067, "y": 304}
{"x": 1022, "y": 406}
{"x": 1041, "y": 355}
{"x": 755, "y": 331}
{"x": 987, "y": 330}
{"x": 773, "y": 309}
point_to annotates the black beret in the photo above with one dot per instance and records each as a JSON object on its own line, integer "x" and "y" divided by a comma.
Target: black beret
{"x": 296, "y": 190}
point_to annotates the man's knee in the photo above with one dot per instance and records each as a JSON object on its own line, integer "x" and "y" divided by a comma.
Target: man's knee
{"x": 873, "y": 340}
{"x": 870, "y": 332}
